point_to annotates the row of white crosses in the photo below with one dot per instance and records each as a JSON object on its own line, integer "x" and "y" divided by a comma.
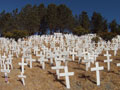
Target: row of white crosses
{"x": 36, "y": 42}
{"x": 42, "y": 60}
{"x": 97, "y": 69}
{"x": 109, "y": 60}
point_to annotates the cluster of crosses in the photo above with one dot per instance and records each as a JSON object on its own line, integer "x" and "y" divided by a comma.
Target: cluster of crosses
{"x": 58, "y": 49}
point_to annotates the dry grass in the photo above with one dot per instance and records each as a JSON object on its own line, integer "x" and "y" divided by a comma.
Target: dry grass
{"x": 38, "y": 79}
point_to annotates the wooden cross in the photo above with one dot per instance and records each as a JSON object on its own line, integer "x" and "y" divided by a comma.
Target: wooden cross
{"x": 108, "y": 63}
{"x": 57, "y": 68}
{"x": 107, "y": 55}
{"x": 31, "y": 60}
{"x": 6, "y": 71}
{"x": 22, "y": 64}
{"x": 67, "y": 74}
{"x": 87, "y": 61}
{"x": 22, "y": 78}
{"x": 97, "y": 69}
{"x": 42, "y": 61}
{"x": 115, "y": 50}
{"x": 9, "y": 60}
{"x": 73, "y": 53}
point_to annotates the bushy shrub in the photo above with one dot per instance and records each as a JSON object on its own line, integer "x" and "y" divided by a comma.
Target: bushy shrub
{"x": 107, "y": 36}
{"x": 16, "y": 34}
{"x": 7, "y": 34}
{"x": 95, "y": 39}
{"x": 79, "y": 30}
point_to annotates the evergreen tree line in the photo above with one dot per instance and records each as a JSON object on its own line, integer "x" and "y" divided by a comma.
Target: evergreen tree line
{"x": 55, "y": 18}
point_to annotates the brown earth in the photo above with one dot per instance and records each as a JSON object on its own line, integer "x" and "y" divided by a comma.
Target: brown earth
{"x": 38, "y": 79}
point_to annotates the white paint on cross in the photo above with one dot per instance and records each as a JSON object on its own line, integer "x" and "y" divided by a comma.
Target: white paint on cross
{"x": 87, "y": 60}
{"x": 22, "y": 64}
{"x": 57, "y": 68}
{"x": 6, "y": 71}
{"x": 30, "y": 60}
{"x": 9, "y": 61}
{"x": 97, "y": 69}
{"x": 67, "y": 74}
{"x": 115, "y": 50}
{"x": 108, "y": 63}
{"x": 107, "y": 55}
{"x": 73, "y": 53}
{"x": 22, "y": 78}
{"x": 51, "y": 56}
{"x": 42, "y": 61}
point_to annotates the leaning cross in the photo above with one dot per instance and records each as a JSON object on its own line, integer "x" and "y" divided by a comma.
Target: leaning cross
{"x": 22, "y": 78}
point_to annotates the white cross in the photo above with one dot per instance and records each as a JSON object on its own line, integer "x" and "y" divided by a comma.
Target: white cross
{"x": 87, "y": 60}
{"x": 22, "y": 64}
{"x": 58, "y": 67}
{"x": 42, "y": 61}
{"x": 6, "y": 71}
{"x": 115, "y": 50}
{"x": 31, "y": 60}
{"x": 36, "y": 50}
{"x": 51, "y": 56}
{"x": 56, "y": 54}
{"x": 108, "y": 63}
{"x": 59, "y": 59}
{"x": 1, "y": 63}
{"x": 79, "y": 57}
{"x": 24, "y": 52}
{"x": 97, "y": 68}
{"x": 3, "y": 59}
{"x": 107, "y": 55}
{"x": 73, "y": 53}
{"x": 67, "y": 74}
{"x": 44, "y": 49}
{"x": 9, "y": 61}
{"x": 4, "y": 56}
{"x": 8, "y": 64}
{"x": 22, "y": 78}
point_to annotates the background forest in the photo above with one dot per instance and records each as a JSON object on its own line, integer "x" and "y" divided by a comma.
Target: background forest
{"x": 38, "y": 19}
